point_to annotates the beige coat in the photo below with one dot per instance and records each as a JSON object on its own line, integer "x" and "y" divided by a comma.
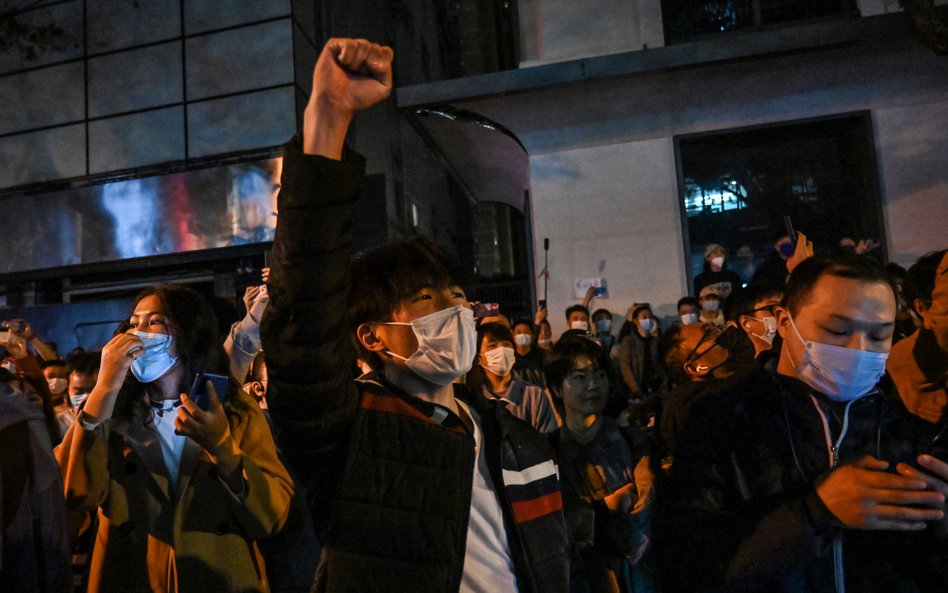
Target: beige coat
{"x": 198, "y": 537}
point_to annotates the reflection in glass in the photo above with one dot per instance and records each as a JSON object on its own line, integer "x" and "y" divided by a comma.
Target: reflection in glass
{"x": 201, "y": 209}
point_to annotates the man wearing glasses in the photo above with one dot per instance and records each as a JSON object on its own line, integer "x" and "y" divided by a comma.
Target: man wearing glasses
{"x": 810, "y": 479}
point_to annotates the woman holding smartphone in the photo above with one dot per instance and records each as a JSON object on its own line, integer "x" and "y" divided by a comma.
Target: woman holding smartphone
{"x": 181, "y": 493}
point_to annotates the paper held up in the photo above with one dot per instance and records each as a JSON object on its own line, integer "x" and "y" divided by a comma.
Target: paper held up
{"x": 582, "y": 285}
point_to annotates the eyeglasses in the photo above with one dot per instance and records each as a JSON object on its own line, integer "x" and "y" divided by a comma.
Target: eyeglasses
{"x": 768, "y": 308}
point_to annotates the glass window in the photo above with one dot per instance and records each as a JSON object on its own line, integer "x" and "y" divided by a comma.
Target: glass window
{"x": 57, "y": 153}
{"x": 114, "y": 24}
{"x": 148, "y": 216}
{"x": 46, "y": 35}
{"x": 204, "y": 15}
{"x": 136, "y": 140}
{"x": 684, "y": 20}
{"x": 240, "y": 59}
{"x": 43, "y": 97}
{"x": 242, "y": 122}
{"x": 737, "y": 186}
{"x": 135, "y": 79}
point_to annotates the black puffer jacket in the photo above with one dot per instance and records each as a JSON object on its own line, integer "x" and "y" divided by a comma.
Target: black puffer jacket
{"x": 740, "y": 510}
{"x": 389, "y": 475}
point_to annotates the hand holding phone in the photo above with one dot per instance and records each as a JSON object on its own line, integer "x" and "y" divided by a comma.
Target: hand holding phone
{"x": 482, "y": 310}
{"x": 199, "y": 394}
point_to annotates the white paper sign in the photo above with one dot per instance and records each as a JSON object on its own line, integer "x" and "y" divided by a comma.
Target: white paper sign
{"x": 582, "y": 285}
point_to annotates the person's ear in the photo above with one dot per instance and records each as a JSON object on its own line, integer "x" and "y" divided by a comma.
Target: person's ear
{"x": 745, "y": 322}
{"x": 921, "y": 309}
{"x": 369, "y": 339}
{"x": 783, "y": 322}
{"x": 691, "y": 368}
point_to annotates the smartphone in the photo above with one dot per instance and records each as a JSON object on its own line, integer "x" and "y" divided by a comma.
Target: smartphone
{"x": 789, "y": 224}
{"x": 199, "y": 393}
{"x": 541, "y": 304}
{"x": 268, "y": 258}
{"x": 482, "y": 310}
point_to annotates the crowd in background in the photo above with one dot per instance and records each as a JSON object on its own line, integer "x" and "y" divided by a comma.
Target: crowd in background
{"x": 360, "y": 430}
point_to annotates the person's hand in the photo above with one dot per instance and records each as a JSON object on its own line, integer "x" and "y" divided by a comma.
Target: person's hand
{"x": 865, "y": 496}
{"x": 804, "y": 250}
{"x": 590, "y": 295}
{"x": 117, "y": 357}
{"x": 19, "y": 327}
{"x": 621, "y": 500}
{"x": 208, "y": 428}
{"x": 541, "y": 316}
{"x": 866, "y": 245}
{"x": 256, "y": 300}
{"x": 265, "y": 275}
{"x": 16, "y": 346}
{"x": 350, "y": 75}
{"x": 935, "y": 477}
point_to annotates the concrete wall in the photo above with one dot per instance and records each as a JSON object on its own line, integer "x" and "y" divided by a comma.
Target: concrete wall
{"x": 603, "y": 167}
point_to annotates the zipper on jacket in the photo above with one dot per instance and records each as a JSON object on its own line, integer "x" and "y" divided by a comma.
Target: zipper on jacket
{"x": 470, "y": 505}
{"x": 832, "y": 449}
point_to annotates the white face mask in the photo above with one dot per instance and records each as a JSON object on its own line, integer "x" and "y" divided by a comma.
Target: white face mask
{"x": 77, "y": 399}
{"x": 57, "y": 386}
{"x": 770, "y": 329}
{"x": 545, "y": 342}
{"x": 646, "y": 325}
{"x": 688, "y": 318}
{"x": 523, "y": 340}
{"x": 711, "y": 305}
{"x": 500, "y": 361}
{"x": 717, "y": 262}
{"x": 842, "y": 374}
{"x": 156, "y": 361}
{"x": 447, "y": 345}
{"x": 580, "y": 325}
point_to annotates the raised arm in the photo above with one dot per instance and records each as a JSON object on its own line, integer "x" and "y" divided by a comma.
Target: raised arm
{"x": 311, "y": 395}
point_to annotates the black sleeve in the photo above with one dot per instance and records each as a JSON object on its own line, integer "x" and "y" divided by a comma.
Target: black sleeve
{"x": 732, "y": 537}
{"x": 311, "y": 394}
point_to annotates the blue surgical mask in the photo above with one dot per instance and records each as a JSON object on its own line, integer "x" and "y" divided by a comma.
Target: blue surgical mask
{"x": 604, "y": 326}
{"x": 842, "y": 374}
{"x": 647, "y": 325}
{"x": 156, "y": 361}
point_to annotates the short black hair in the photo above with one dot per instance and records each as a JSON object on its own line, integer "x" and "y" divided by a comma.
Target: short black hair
{"x": 920, "y": 279}
{"x": 522, "y": 321}
{"x": 639, "y": 309}
{"x": 497, "y": 331}
{"x": 741, "y": 301}
{"x": 574, "y": 308}
{"x": 84, "y": 363}
{"x": 599, "y": 312}
{"x": 688, "y": 300}
{"x": 56, "y": 362}
{"x": 810, "y": 270}
{"x": 561, "y": 360}
{"x": 381, "y": 279}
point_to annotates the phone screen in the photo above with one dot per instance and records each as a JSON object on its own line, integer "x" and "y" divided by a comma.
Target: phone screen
{"x": 199, "y": 389}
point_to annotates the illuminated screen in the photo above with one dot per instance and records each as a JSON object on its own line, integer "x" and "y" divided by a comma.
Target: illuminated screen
{"x": 180, "y": 212}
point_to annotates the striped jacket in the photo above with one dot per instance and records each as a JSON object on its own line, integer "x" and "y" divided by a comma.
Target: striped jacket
{"x": 389, "y": 475}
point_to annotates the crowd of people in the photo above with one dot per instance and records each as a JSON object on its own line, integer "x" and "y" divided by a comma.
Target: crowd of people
{"x": 359, "y": 430}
